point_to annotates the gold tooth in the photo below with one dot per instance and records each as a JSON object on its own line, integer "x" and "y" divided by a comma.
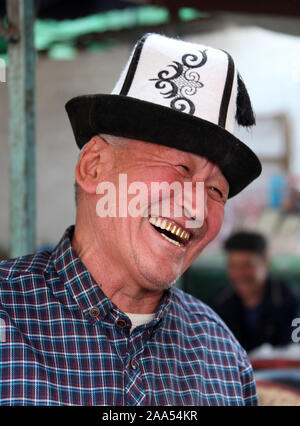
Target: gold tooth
{"x": 178, "y": 232}
{"x": 168, "y": 226}
{"x": 164, "y": 224}
{"x": 173, "y": 230}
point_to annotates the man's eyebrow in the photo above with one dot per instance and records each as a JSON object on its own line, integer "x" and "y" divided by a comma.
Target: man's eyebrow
{"x": 216, "y": 173}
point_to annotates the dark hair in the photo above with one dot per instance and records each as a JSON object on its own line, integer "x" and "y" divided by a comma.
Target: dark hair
{"x": 246, "y": 241}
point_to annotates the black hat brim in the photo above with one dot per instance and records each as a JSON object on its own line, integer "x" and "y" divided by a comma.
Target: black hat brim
{"x": 137, "y": 119}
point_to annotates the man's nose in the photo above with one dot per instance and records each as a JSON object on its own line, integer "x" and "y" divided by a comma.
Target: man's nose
{"x": 200, "y": 197}
{"x": 195, "y": 201}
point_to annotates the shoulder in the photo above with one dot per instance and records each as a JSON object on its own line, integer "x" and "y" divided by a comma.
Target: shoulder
{"x": 282, "y": 291}
{"x": 202, "y": 332}
{"x": 30, "y": 263}
{"x": 206, "y": 322}
{"x": 196, "y": 308}
{"x": 22, "y": 271}
{"x": 23, "y": 288}
{"x": 224, "y": 297}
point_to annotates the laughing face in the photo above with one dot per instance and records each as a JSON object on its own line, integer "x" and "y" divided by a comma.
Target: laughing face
{"x": 150, "y": 250}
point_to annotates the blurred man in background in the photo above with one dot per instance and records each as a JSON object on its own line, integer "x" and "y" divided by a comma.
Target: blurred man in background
{"x": 257, "y": 307}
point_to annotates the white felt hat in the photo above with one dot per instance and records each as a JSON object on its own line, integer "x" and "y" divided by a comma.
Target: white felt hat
{"x": 179, "y": 94}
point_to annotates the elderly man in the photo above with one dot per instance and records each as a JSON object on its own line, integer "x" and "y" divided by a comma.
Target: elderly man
{"x": 97, "y": 321}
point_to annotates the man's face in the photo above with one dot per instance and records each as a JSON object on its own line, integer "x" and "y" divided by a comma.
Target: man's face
{"x": 247, "y": 272}
{"x": 135, "y": 244}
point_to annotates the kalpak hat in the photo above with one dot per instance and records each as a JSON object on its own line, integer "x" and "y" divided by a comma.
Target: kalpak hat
{"x": 179, "y": 94}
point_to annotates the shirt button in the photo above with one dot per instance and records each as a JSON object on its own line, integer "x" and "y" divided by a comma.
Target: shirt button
{"x": 121, "y": 323}
{"x": 94, "y": 312}
{"x": 133, "y": 364}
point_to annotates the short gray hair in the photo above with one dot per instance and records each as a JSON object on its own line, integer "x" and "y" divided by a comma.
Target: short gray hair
{"x": 112, "y": 140}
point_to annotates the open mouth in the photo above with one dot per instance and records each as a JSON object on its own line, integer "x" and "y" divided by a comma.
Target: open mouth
{"x": 171, "y": 232}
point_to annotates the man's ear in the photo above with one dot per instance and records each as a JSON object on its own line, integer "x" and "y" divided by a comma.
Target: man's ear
{"x": 89, "y": 166}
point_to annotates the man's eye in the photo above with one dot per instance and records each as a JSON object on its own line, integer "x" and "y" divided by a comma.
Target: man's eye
{"x": 216, "y": 193}
{"x": 184, "y": 167}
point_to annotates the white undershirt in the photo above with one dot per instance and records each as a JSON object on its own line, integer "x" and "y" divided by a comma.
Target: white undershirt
{"x": 138, "y": 319}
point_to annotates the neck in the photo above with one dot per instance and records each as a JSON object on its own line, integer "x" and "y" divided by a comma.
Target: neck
{"x": 255, "y": 299}
{"x": 115, "y": 279}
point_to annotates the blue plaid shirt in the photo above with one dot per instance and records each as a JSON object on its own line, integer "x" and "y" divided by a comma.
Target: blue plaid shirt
{"x": 63, "y": 342}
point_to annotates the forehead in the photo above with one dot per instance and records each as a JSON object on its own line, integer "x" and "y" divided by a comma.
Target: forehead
{"x": 172, "y": 154}
{"x": 242, "y": 255}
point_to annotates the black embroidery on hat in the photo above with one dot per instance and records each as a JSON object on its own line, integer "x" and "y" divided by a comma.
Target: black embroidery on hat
{"x": 183, "y": 82}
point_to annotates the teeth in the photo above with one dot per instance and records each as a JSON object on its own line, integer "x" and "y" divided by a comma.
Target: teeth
{"x": 169, "y": 226}
{"x": 172, "y": 241}
{"x": 152, "y": 220}
{"x": 164, "y": 224}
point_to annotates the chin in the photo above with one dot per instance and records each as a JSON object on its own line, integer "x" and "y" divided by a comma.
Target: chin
{"x": 158, "y": 270}
{"x": 160, "y": 278}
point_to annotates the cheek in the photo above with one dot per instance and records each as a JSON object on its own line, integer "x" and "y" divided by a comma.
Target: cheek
{"x": 147, "y": 175}
{"x": 215, "y": 216}
{"x": 156, "y": 176}
{"x": 214, "y": 222}
{"x": 260, "y": 273}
